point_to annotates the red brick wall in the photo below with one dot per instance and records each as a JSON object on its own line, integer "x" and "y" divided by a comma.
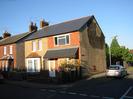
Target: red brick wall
{"x": 74, "y": 41}
{"x": 1, "y": 51}
{"x": 8, "y": 52}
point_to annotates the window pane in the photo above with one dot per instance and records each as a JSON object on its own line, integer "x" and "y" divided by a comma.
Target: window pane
{"x": 67, "y": 39}
{"x": 35, "y": 65}
{"x": 4, "y": 50}
{"x": 39, "y": 44}
{"x": 55, "y": 40}
{"x": 10, "y": 49}
{"x": 30, "y": 68}
{"x": 33, "y": 46}
{"x": 61, "y": 41}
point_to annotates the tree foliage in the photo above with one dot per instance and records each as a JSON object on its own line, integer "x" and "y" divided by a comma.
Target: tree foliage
{"x": 119, "y": 53}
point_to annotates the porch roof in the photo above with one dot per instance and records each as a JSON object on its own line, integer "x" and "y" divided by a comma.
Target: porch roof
{"x": 6, "y": 57}
{"x": 33, "y": 55}
{"x": 61, "y": 53}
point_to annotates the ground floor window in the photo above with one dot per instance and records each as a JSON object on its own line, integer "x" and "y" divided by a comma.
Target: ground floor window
{"x": 33, "y": 65}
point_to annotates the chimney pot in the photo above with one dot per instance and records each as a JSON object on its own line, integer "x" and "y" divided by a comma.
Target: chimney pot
{"x": 35, "y": 27}
{"x": 32, "y": 27}
{"x": 43, "y": 23}
{"x": 6, "y": 34}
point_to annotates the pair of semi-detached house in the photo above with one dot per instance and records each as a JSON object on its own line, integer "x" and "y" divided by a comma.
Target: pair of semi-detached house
{"x": 79, "y": 40}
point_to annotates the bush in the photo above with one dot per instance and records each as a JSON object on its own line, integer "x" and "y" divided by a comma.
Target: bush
{"x": 69, "y": 72}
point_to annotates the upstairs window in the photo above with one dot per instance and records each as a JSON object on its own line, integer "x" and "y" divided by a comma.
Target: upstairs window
{"x": 33, "y": 46}
{"x": 62, "y": 39}
{"x": 4, "y": 50}
{"x": 11, "y": 51}
{"x": 39, "y": 44}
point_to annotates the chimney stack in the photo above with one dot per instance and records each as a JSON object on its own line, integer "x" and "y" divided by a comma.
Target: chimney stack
{"x": 43, "y": 23}
{"x": 6, "y": 34}
{"x": 32, "y": 27}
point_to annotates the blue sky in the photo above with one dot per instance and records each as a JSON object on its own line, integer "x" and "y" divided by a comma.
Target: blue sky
{"x": 115, "y": 17}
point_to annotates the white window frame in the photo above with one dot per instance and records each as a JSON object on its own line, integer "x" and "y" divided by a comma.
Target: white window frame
{"x": 39, "y": 44}
{"x": 33, "y": 46}
{"x": 58, "y": 37}
{"x": 33, "y": 65}
{"x": 5, "y": 50}
{"x": 11, "y": 49}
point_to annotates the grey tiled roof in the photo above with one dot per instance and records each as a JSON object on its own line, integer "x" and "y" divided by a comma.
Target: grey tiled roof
{"x": 60, "y": 28}
{"x": 61, "y": 53}
{"x": 13, "y": 39}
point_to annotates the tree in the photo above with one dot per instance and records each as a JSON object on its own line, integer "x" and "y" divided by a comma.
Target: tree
{"x": 116, "y": 53}
{"x": 119, "y": 53}
{"x": 126, "y": 55}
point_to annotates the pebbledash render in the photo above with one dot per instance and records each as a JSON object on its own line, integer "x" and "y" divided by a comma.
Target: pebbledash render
{"x": 79, "y": 40}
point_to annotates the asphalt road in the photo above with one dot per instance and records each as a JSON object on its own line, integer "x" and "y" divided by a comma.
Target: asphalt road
{"x": 96, "y": 88}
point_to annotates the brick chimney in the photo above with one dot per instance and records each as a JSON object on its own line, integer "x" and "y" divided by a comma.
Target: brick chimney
{"x": 6, "y": 34}
{"x": 32, "y": 27}
{"x": 43, "y": 23}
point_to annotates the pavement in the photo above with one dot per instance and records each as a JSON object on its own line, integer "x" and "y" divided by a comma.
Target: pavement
{"x": 40, "y": 85}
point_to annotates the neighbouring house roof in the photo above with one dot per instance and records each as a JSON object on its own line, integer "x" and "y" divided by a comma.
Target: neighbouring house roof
{"x": 13, "y": 39}
{"x": 61, "y": 53}
{"x": 60, "y": 28}
{"x": 33, "y": 55}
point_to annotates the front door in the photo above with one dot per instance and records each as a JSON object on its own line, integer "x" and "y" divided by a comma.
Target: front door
{"x": 52, "y": 68}
{"x": 10, "y": 64}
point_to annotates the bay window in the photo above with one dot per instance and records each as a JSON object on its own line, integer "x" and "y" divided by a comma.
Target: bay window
{"x": 33, "y": 64}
